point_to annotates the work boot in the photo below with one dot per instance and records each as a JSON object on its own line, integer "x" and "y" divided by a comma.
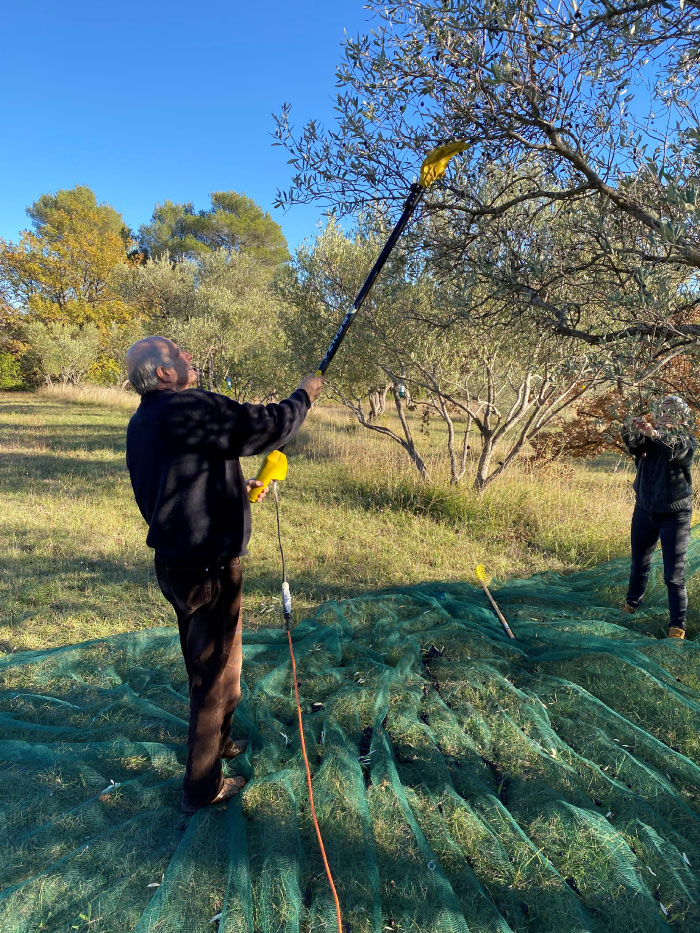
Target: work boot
{"x": 234, "y": 748}
{"x": 675, "y": 631}
{"x": 627, "y": 608}
{"x": 229, "y": 788}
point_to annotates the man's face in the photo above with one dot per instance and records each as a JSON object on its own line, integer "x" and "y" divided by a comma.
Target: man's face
{"x": 185, "y": 373}
{"x": 669, "y": 414}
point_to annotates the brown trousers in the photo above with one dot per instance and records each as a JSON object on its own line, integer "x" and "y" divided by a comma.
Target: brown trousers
{"x": 207, "y": 602}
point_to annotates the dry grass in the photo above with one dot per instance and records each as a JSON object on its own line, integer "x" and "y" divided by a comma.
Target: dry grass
{"x": 529, "y": 788}
{"x": 87, "y": 394}
{"x": 355, "y": 516}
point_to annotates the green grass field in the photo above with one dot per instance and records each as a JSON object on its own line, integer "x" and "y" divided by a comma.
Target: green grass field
{"x": 463, "y": 781}
{"x": 355, "y": 517}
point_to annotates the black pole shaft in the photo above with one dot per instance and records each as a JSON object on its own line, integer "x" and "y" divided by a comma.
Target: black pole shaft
{"x": 417, "y": 192}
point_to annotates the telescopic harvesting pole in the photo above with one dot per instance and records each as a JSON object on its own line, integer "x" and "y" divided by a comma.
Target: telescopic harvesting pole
{"x": 433, "y": 167}
{"x": 412, "y": 202}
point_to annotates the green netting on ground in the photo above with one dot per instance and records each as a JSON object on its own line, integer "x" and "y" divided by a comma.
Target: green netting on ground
{"x": 463, "y": 781}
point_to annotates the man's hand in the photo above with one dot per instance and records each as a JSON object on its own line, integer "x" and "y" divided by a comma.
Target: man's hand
{"x": 254, "y": 484}
{"x": 644, "y": 427}
{"x": 313, "y": 386}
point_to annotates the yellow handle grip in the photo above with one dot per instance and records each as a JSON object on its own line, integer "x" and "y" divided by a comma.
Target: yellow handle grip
{"x": 274, "y": 467}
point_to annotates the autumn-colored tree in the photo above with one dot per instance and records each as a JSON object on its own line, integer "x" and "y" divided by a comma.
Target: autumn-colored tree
{"x": 594, "y": 428}
{"x": 682, "y": 377}
{"x": 596, "y": 424}
{"x": 12, "y": 348}
{"x": 60, "y": 270}
{"x": 10, "y": 337}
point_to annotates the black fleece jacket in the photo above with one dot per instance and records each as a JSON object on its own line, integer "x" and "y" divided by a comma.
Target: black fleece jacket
{"x": 182, "y": 451}
{"x": 663, "y": 482}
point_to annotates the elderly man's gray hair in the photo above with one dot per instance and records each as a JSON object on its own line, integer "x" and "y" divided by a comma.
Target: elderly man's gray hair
{"x": 678, "y": 402}
{"x": 142, "y": 360}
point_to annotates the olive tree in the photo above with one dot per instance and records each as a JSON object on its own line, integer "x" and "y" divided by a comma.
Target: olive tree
{"x": 65, "y": 351}
{"x": 589, "y": 110}
{"x": 319, "y": 288}
{"x": 507, "y": 381}
{"x": 222, "y": 308}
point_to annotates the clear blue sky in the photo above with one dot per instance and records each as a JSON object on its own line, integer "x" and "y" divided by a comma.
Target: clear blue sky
{"x": 162, "y": 100}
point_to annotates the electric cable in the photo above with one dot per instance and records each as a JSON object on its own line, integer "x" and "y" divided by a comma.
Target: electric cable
{"x": 279, "y": 533}
{"x": 275, "y": 466}
{"x": 287, "y": 612}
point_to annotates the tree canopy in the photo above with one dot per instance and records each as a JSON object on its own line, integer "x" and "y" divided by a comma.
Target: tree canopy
{"x": 587, "y": 110}
{"x": 233, "y": 222}
{"x": 501, "y": 376}
{"x": 60, "y": 270}
{"x": 221, "y": 307}
{"x": 77, "y": 276}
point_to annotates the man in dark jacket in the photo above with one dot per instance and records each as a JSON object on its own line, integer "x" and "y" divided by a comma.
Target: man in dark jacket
{"x": 182, "y": 451}
{"x": 663, "y": 449}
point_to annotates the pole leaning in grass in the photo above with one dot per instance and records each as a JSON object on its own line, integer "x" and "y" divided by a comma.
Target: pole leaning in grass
{"x": 484, "y": 580}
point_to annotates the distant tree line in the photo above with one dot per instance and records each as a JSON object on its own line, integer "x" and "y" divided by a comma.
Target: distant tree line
{"x": 547, "y": 289}
{"x": 79, "y": 287}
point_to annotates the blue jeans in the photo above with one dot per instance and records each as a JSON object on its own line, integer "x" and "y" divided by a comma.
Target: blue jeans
{"x": 674, "y": 530}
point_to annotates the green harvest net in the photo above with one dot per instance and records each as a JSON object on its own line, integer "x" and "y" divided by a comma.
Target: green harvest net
{"x": 462, "y": 781}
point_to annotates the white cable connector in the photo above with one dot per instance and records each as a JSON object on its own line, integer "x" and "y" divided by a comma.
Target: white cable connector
{"x": 286, "y": 600}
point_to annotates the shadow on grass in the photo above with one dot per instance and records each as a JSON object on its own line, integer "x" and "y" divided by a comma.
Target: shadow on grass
{"x": 84, "y": 476}
{"x": 60, "y": 599}
{"x": 87, "y": 437}
{"x": 21, "y": 403}
{"x": 257, "y": 582}
{"x": 52, "y": 601}
{"x": 451, "y": 506}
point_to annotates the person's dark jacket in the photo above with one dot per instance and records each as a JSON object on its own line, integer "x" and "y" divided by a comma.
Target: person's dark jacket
{"x": 182, "y": 451}
{"x": 663, "y": 482}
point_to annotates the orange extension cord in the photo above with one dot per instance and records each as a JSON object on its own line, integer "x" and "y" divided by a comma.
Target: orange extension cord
{"x": 287, "y": 609}
{"x": 311, "y": 793}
